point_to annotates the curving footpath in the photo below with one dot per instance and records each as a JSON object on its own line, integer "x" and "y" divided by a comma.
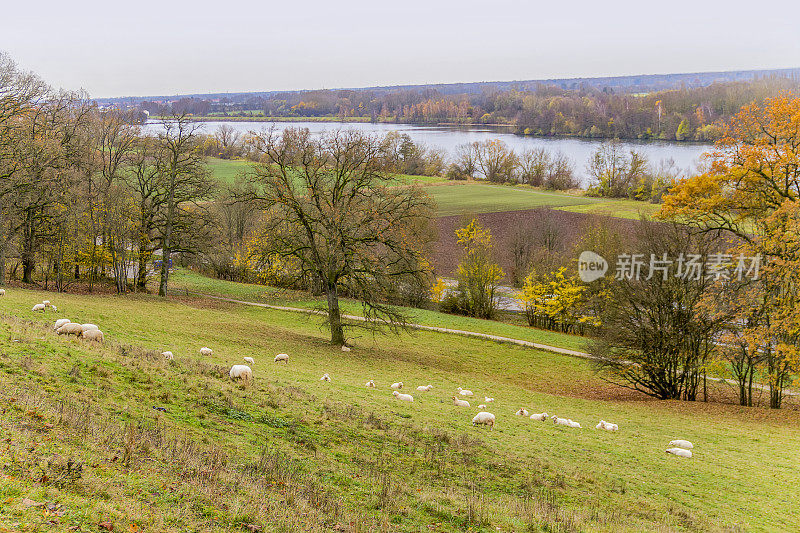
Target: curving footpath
{"x": 464, "y": 333}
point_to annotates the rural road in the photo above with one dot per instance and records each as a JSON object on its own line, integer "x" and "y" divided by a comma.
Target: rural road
{"x": 474, "y": 334}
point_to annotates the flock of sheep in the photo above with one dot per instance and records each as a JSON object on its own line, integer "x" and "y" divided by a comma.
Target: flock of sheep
{"x": 63, "y": 326}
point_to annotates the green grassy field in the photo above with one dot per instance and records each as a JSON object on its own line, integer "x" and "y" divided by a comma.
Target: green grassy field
{"x": 290, "y": 452}
{"x": 471, "y": 198}
{"x": 184, "y": 279}
{"x": 461, "y": 198}
{"x": 225, "y": 172}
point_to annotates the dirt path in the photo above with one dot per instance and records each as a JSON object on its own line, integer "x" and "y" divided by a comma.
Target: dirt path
{"x": 464, "y": 333}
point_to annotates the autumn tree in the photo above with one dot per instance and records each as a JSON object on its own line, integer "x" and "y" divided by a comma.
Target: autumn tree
{"x": 751, "y": 192}
{"x": 334, "y": 217}
{"x": 478, "y": 274}
{"x": 185, "y": 184}
{"x": 20, "y": 93}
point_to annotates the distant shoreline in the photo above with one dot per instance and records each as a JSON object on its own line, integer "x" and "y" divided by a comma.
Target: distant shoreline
{"x": 368, "y": 120}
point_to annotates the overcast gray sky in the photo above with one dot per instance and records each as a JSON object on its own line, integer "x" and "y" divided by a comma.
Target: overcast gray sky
{"x": 147, "y": 47}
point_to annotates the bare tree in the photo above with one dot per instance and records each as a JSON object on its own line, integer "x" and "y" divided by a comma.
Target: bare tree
{"x": 185, "y": 181}
{"x": 333, "y": 215}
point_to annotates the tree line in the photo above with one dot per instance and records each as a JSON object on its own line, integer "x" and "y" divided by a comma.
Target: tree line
{"x": 684, "y": 114}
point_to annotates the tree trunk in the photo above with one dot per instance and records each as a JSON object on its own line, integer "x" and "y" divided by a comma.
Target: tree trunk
{"x": 2, "y": 260}
{"x": 334, "y": 314}
{"x": 166, "y": 247}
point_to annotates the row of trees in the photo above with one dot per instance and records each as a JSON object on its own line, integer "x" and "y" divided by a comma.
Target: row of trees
{"x": 693, "y": 114}
{"x": 84, "y": 195}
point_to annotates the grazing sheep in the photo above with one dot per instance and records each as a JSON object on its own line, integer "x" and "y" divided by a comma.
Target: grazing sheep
{"x": 370, "y": 384}
{"x": 2, "y": 292}
{"x": 482, "y": 406}
{"x": 608, "y": 426}
{"x": 70, "y": 329}
{"x": 206, "y": 351}
{"x": 522, "y": 412}
{"x": 38, "y": 307}
{"x": 282, "y": 357}
{"x": 92, "y": 335}
{"x": 325, "y": 377}
{"x": 398, "y": 385}
{"x": 89, "y": 327}
{"x": 168, "y": 356}
{"x": 54, "y": 308}
{"x": 681, "y": 444}
{"x": 464, "y": 392}
{"x": 46, "y": 303}
{"x": 539, "y": 416}
{"x": 573, "y": 424}
{"x": 249, "y": 360}
{"x": 403, "y": 397}
{"x": 485, "y": 418}
{"x": 424, "y": 388}
{"x": 680, "y": 452}
{"x": 345, "y": 348}
{"x": 60, "y": 322}
{"x": 242, "y": 372}
{"x": 460, "y": 403}
{"x": 487, "y": 399}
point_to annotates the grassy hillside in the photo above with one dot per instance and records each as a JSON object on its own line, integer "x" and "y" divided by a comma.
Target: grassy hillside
{"x": 81, "y": 437}
{"x": 186, "y": 279}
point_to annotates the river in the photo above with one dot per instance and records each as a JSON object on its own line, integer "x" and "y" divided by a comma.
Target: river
{"x": 685, "y": 155}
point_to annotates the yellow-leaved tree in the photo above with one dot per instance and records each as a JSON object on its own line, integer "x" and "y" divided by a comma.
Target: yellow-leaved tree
{"x": 750, "y": 194}
{"x": 555, "y": 301}
{"x": 478, "y": 275}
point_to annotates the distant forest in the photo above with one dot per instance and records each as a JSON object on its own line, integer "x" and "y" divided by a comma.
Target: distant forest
{"x": 690, "y": 112}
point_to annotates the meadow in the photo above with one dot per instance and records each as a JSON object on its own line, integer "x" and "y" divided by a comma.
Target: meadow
{"x": 96, "y": 436}
{"x": 458, "y": 197}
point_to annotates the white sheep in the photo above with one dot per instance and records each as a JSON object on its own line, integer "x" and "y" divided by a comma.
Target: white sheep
{"x": 282, "y": 357}
{"x": 573, "y": 424}
{"x": 424, "y": 388}
{"x": 242, "y": 372}
{"x": 55, "y": 309}
{"x": 46, "y": 303}
{"x": 370, "y": 384}
{"x": 464, "y": 392}
{"x": 70, "y": 329}
{"x": 482, "y": 406}
{"x": 398, "y": 385}
{"x": 249, "y": 360}
{"x": 608, "y": 426}
{"x": 680, "y": 452}
{"x": 168, "y": 356}
{"x": 560, "y": 421}
{"x": 60, "y": 322}
{"x": 206, "y": 351}
{"x": 522, "y": 412}
{"x": 89, "y": 327}
{"x": 487, "y": 399}
{"x": 345, "y": 348}
{"x": 38, "y": 307}
{"x": 92, "y": 335}
{"x": 2, "y": 292}
{"x": 485, "y": 418}
{"x": 404, "y": 397}
{"x": 539, "y": 416}
{"x": 460, "y": 403}
{"x": 325, "y": 377}
{"x": 681, "y": 444}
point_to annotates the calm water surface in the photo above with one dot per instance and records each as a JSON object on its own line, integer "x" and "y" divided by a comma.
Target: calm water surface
{"x": 685, "y": 155}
